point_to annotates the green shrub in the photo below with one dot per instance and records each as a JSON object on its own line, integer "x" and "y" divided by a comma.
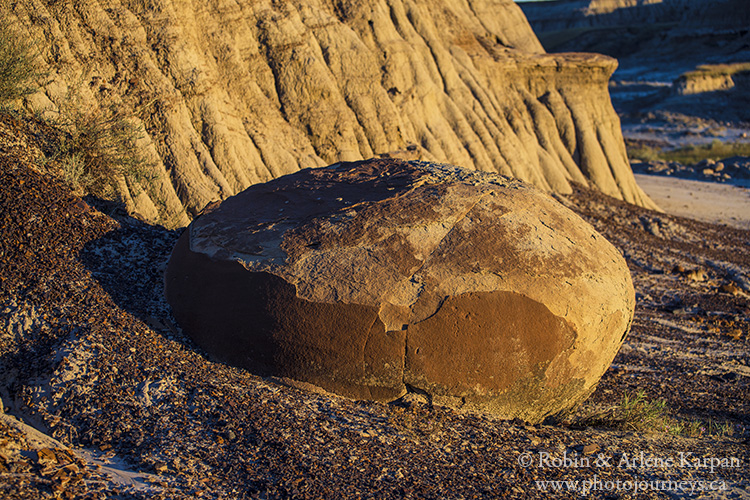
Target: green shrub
{"x": 717, "y": 150}
{"x": 643, "y": 153}
{"x": 19, "y": 68}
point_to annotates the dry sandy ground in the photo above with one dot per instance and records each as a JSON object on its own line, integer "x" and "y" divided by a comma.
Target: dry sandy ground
{"x": 704, "y": 201}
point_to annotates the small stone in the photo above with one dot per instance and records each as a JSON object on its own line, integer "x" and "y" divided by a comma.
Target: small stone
{"x": 161, "y": 467}
{"x": 697, "y": 275}
{"x": 730, "y": 288}
{"x": 46, "y": 456}
{"x": 590, "y": 448}
{"x": 72, "y": 469}
{"x": 412, "y": 398}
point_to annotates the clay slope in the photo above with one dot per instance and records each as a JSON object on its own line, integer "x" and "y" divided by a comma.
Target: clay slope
{"x": 234, "y": 93}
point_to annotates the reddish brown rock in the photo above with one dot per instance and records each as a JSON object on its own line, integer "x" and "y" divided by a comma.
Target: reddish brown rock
{"x": 370, "y": 278}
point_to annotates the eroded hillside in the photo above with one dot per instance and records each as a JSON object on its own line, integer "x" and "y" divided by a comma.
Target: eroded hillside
{"x": 228, "y": 94}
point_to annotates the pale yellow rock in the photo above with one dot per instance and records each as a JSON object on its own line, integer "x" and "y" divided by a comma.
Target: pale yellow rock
{"x": 230, "y": 94}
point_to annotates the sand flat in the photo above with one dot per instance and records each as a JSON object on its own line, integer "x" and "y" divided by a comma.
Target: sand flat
{"x": 704, "y": 201}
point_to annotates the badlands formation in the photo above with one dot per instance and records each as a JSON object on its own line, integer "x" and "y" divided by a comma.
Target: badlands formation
{"x": 229, "y": 94}
{"x": 368, "y": 278}
{"x": 123, "y": 404}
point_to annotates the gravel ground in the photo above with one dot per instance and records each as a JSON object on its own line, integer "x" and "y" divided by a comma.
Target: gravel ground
{"x": 734, "y": 171}
{"x": 129, "y": 408}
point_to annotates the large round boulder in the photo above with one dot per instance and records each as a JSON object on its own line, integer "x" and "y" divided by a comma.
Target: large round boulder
{"x": 373, "y": 278}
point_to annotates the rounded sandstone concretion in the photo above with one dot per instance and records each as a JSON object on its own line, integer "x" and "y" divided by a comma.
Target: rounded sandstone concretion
{"x": 372, "y": 278}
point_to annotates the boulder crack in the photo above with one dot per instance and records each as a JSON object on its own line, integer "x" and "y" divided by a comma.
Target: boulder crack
{"x": 440, "y": 243}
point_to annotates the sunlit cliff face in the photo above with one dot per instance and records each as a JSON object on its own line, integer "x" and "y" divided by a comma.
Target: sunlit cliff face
{"x": 228, "y": 97}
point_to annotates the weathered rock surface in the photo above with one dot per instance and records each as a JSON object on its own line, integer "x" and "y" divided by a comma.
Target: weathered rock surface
{"x": 713, "y": 78}
{"x": 368, "y": 278}
{"x": 229, "y": 94}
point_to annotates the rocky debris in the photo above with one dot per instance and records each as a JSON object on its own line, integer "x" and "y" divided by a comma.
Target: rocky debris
{"x": 35, "y": 466}
{"x": 697, "y": 274}
{"x": 734, "y": 170}
{"x": 228, "y": 96}
{"x": 663, "y": 129}
{"x": 366, "y": 278}
{"x": 730, "y": 288}
{"x": 98, "y": 302}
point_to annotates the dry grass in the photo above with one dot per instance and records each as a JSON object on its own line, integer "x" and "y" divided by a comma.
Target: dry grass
{"x": 636, "y": 413}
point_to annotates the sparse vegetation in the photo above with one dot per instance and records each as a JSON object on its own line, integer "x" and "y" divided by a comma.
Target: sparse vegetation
{"x": 692, "y": 154}
{"x": 19, "y": 69}
{"x": 634, "y": 412}
{"x": 644, "y": 153}
{"x": 696, "y": 428}
{"x": 95, "y": 148}
{"x": 98, "y": 147}
{"x": 637, "y": 413}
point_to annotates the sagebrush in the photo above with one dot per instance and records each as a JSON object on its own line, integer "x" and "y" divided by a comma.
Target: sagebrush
{"x": 20, "y": 71}
{"x": 98, "y": 148}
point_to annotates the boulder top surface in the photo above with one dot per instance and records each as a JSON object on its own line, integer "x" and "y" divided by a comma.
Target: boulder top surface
{"x": 378, "y": 231}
